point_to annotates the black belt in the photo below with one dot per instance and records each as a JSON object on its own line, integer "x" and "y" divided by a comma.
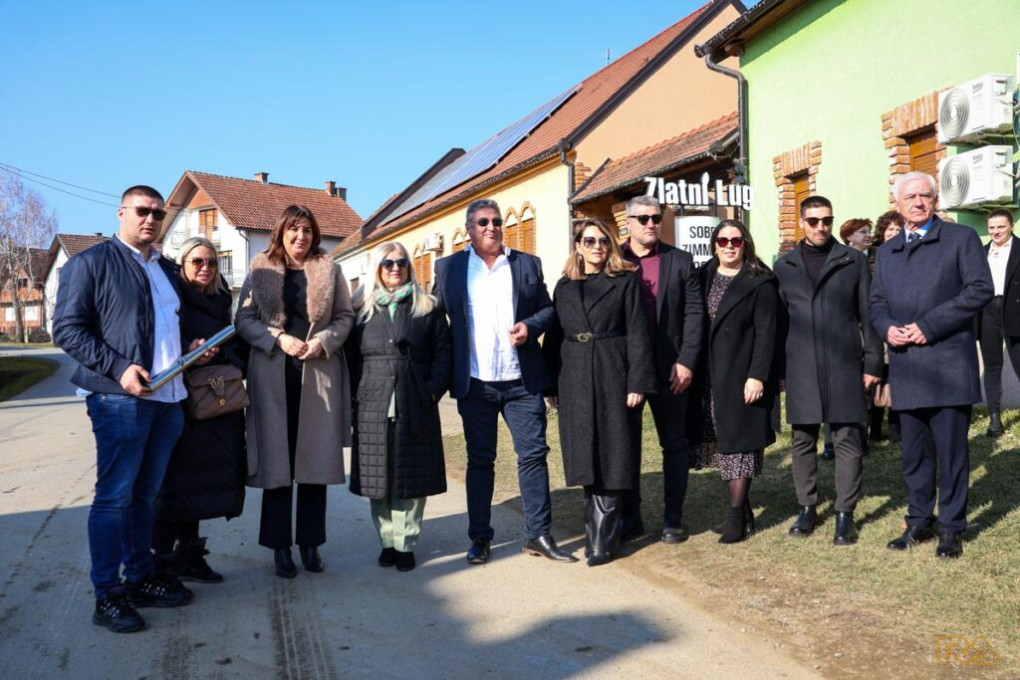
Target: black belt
{"x": 588, "y": 337}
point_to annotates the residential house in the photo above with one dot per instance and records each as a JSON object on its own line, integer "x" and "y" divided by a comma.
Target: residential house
{"x": 535, "y": 165}
{"x": 26, "y": 282}
{"x": 62, "y": 248}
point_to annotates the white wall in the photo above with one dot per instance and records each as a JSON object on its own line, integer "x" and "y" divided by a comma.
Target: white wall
{"x": 51, "y": 285}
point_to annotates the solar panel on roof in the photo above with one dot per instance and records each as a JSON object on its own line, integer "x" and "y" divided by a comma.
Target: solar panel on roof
{"x": 484, "y": 156}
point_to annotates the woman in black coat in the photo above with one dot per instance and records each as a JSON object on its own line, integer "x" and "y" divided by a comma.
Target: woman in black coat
{"x": 601, "y": 358}
{"x": 205, "y": 477}
{"x": 736, "y": 401}
{"x": 401, "y": 360}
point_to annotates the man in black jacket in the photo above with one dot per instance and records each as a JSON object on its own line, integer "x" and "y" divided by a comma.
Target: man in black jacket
{"x": 824, "y": 287}
{"x": 673, "y": 304}
{"x": 117, "y": 315}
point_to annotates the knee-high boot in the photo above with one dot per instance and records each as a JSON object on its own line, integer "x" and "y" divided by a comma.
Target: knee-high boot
{"x": 605, "y": 528}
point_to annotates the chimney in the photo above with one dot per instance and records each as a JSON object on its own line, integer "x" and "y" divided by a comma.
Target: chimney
{"x": 341, "y": 193}
{"x": 262, "y": 177}
{"x": 99, "y": 233}
{"x": 330, "y": 187}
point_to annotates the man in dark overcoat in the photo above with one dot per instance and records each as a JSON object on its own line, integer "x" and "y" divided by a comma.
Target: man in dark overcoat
{"x": 672, "y": 300}
{"x": 499, "y": 307}
{"x": 930, "y": 281}
{"x": 833, "y": 356}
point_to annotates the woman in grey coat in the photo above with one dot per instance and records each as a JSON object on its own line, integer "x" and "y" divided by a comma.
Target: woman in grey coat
{"x": 296, "y": 313}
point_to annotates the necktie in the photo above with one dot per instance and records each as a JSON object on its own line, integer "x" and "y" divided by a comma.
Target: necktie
{"x": 913, "y": 236}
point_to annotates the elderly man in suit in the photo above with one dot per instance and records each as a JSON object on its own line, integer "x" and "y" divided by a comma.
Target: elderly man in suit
{"x": 833, "y": 355}
{"x": 930, "y": 281}
{"x": 1001, "y": 318}
{"x": 673, "y": 304}
{"x": 498, "y": 307}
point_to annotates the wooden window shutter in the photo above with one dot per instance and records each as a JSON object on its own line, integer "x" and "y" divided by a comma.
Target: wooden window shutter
{"x": 527, "y": 236}
{"x": 801, "y": 191}
{"x": 922, "y": 152}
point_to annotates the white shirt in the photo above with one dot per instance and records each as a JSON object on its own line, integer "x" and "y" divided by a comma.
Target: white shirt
{"x": 166, "y": 346}
{"x": 998, "y": 256}
{"x": 490, "y": 317}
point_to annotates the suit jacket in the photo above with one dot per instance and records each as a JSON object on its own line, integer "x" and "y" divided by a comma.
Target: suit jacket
{"x": 532, "y": 306}
{"x": 1011, "y": 291}
{"x": 679, "y": 309}
{"x": 940, "y": 283}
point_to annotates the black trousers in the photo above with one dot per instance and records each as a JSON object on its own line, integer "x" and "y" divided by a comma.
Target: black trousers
{"x": 668, "y": 411}
{"x": 846, "y": 439}
{"x": 935, "y": 441}
{"x": 991, "y": 352}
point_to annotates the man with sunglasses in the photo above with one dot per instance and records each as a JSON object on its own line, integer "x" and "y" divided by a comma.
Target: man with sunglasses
{"x": 674, "y": 308}
{"x": 498, "y": 307}
{"x": 931, "y": 280}
{"x": 117, "y": 315}
{"x": 833, "y": 356}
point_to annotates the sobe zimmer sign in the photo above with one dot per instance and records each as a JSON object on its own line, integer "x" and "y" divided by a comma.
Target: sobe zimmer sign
{"x": 693, "y": 232}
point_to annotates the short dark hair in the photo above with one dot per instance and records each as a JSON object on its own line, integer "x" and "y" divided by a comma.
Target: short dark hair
{"x": 142, "y": 190}
{"x": 815, "y": 202}
{"x": 480, "y": 204}
{"x": 1002, "y": 212}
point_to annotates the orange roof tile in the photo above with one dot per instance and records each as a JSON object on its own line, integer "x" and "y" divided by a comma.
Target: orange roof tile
{"x": 79, "y": 243}
{"x": 658, "y": 158}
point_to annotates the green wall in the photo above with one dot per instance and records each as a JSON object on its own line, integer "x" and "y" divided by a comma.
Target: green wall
{"x": 833, "y": 67}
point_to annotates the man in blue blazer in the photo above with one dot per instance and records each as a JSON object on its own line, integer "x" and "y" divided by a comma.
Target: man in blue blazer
{"x": 498, "y": 307}
{"x": 930, "y": 281}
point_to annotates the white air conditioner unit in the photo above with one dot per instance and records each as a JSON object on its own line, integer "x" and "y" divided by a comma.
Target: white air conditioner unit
{"x": 981, "y": 176}
{"x": 979, "y": 107}
{"x": 434, "y": 241}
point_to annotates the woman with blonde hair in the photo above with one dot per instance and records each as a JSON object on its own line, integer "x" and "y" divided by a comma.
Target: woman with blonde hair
{"x": 600, "y": 356}
{"x": 401, "y": 360}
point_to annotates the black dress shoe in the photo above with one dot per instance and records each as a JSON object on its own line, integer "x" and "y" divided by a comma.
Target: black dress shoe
{"x": 950, "y": 546}
{"x": 388, "y": 557}
{"x": 911, "y": 537}
{"x": 479, "y": 552}
{"x": 545, "y": 546}
{"x": 311, "y": 559}
{"x": 673, "y": 535}
{"x": 405, "y": 560}
{"x": 846, "y": 532}
{"x": 598, "y": 559}
{"x": 285, "y": 567}
{"x": 806, "y": 522}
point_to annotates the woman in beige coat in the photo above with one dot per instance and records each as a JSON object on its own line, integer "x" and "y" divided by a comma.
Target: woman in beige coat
{"x": 296, "y": 313}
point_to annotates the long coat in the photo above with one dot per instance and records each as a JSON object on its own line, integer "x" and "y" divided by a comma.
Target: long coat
{"x": 412, "y": 358}
{"x": 741, "y": 344}
{"x": 830, "y": 342}
{"x": 940, "y": 283}
{"x": 205, "y": 477}
{"x": 600, "y": 437}
{"x": 324, "y": 422}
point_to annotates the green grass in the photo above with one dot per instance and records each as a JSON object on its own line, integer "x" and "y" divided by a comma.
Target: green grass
{"x": 851, "y": 611}
{"x": 17, "y": 374}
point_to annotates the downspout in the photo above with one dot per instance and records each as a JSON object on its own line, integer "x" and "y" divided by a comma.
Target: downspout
{"x": 741, "y": 166}
{"x": 564, "y": 146}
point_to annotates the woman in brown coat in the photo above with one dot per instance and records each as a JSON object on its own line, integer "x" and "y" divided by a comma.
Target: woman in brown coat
{"x": 296, "y": 313}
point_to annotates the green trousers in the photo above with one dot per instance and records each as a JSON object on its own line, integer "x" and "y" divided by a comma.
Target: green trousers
{"x": 398, "y": 520}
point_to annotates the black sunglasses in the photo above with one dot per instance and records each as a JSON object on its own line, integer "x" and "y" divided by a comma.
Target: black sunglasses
{"x": 736, "y": 241}
{"x": 643, "y": 219}
{"x": 813, "y": 221}
{"x": 197, "y": 262}
{"x": 590, "y": 241}
{"x": 400, "y": 263}
{"x": 156, "y": 213}
{"x": 484, "y": 222}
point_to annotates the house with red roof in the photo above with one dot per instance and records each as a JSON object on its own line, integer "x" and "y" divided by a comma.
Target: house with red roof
{"x": 62, "y": 248}
{"x": 582, "y": 140}
{"x": 238, "y": 216}
{"x": 27, "y": 284}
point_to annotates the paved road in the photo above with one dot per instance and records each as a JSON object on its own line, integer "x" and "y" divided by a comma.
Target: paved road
{"x": 516, "y": 617}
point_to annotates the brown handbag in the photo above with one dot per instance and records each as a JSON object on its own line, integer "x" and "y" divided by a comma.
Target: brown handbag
{"x": 214, "y": 391}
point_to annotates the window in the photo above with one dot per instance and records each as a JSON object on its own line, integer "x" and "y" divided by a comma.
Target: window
{"x": 32, "y": 313}
{"x": 526, "y": 235}
{"x": 207, "y": 223}
{"x": 423, "y": 269}
{"x": 801, "y": 191}
{"x": 226, "y": 260}
{"x": 923, "y": 150}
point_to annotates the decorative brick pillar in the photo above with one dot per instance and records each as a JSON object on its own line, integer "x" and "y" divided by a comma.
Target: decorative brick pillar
{"x": 905, "y": 120}
{"x": 582, "y": 173}
{"x": 786, "y": 166}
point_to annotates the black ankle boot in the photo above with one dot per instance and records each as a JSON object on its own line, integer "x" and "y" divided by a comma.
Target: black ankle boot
{"x": 846, "y": 532}
{"x": 285, "y": 567}
{"x": 735, "y": 530}
{"x": 193, "y": 564}
{"x": 995, "y": 428}
{"x": 748, "y": 516}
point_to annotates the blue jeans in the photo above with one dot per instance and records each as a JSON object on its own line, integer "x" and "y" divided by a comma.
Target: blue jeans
{"x": 524, "y": 414}
{"x": 134, "y": 440}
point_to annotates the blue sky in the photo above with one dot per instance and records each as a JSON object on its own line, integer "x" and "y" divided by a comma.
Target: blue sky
{"x": 109, "y": 94}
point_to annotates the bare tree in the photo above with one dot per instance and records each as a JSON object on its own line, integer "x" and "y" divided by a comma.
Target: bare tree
{"x": 25, "y": 223}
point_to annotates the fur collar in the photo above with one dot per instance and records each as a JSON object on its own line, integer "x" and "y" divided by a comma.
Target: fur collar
{"x": 267, "y": 288}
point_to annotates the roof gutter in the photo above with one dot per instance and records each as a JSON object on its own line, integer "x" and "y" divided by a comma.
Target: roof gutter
{"x": 564, "y": 146}
{"x": 740, "y": 167}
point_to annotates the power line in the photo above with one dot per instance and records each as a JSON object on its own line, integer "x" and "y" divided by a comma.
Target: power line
{"x": 23, "y": 172}
{"x": 10, "y": 170}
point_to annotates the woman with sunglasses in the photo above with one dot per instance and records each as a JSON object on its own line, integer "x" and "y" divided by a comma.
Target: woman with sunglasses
{"x": 401, "y": 358}
{"x": 205, "y": 477}
{"x": 600, "y": 356}
{"x": 737, "y": 396}
{"x": 296, "y": 313}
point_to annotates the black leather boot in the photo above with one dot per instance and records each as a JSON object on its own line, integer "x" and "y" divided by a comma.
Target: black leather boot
{"x": 806, "y": 522}
{"x": 995, "y": 428}
{"x": 285, "y": 567}
{"x": 193, "y": 564}
{"x": 846, "y": 532}
{"x": 735, "y": 529}
{"x": 604, "y": 528}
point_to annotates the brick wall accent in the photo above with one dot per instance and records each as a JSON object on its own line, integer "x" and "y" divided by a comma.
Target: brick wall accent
{"x": 785, "y": 167}
{"x": 903, "y": 121}
{"x": 582, "y": 173}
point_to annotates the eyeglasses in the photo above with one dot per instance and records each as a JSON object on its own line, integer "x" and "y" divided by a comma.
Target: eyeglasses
{"x": 643, "y": 219}
{"x": 723, "y": 242}
{"x": 156, "y": 213}
{"x": 484, "y": 222}
{"x": 590, "y": 241}
{"x": 198, "y": 262}
{"x": 399, "y": 264}
{"x": 813, "y": 221}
